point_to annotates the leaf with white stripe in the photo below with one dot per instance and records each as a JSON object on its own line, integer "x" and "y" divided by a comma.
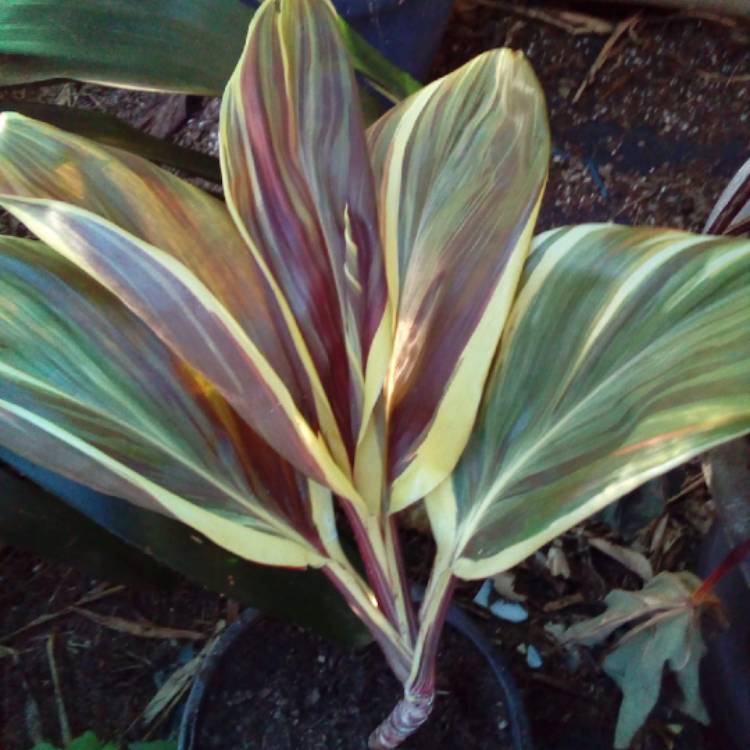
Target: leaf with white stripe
{"x": 731, "y": 214}
{"x": 194, "y": 228}
{"x": 191, "y": 320}
{"x": 460, "y": 167}
{"x": 87, "y": 390}
{"x": 299, "y": 184}
{"x": 626, "y": 353}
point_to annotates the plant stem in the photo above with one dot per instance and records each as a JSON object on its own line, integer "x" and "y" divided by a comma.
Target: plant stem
{"x": 408, "y": 620}
{"x": 734, "y": 558}
{"x": 419, "y": 690}
{"x": 362, "y": 602}
{"x": 381, "y": 555}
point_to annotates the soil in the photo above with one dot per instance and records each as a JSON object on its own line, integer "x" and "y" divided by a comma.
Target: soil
{"x": 282, "y": 688}
{"x": 106, "y": 677}
{"x": 653, "y": 138}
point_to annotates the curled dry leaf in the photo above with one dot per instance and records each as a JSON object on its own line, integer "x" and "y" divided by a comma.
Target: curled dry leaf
{"x": 632, "y": 560}
{"x": 505, "y": 585}
{"x": 557, "y": 562}
{"x": 665, "y": 630}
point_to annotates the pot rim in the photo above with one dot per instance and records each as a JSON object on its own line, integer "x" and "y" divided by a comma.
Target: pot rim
{"x": 520, "y": 731}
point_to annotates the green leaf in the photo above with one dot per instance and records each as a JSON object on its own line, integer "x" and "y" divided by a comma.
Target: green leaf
{"x": 189, "y": 46}
{"x": 111, "y": 131}
{"x": 666, "y": 631}
{"x": 89, "y": 741}
{"x": 388, "y": 79}
{"x": 625, "y": 354}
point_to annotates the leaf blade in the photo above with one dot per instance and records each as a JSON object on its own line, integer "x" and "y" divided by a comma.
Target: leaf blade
{"x": 44, "y": 39}
{"x": 299, "y": 185}
{"x": 87, "y": 390}
{"x": 650, "y": 368}
{"x": 189, "y": 230}
{"x": 452, "y": 258}
{"x": 125, "y": 541}
{"x": 111, "y": 131}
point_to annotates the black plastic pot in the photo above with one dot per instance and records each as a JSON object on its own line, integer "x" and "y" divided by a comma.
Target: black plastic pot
{"x": 725, "y": 670}
{"x": 197, "y": 699}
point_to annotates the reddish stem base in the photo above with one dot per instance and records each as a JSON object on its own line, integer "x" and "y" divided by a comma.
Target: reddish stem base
{"x": 409, "y": 714}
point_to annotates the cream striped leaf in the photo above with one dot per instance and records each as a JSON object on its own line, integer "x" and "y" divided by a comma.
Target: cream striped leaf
{"x": 40, "y": 161}
{"x": 627, "y": 352}
{"x": 731, "y": 214}
{"x": 299, "y": 184}
{"x": 87, "y": 390}
{"x": 460, "y": 168}
{"x": 184, "y": 313}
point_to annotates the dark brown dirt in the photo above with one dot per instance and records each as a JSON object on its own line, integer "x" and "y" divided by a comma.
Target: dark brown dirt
{"x": 653, "y": 139}
{"x": 107, "y": 677}
{"x": 287, "y": 689}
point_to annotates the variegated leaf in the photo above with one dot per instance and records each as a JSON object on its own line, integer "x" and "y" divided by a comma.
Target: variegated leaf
{"x": 627, "y": 352}
{"x": 731, "y": 214}
{"x": 39, "y": 161}
{"x": 299, "y": 184}
{"x": 193, "y": 322}
{"x": 460, "y": 167}
{"x": 87, "y": 390}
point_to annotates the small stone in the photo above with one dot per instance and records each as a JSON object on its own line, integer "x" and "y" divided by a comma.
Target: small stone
{"x": 510, "y": 611}
{"x": 483, "y": 595}
{"x": 533, "y": 657}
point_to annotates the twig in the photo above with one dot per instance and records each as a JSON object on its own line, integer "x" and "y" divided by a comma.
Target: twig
{"x": 142, "y": 629}
{"x": 573, "y": 22}
{"x": 621, "y": 28}
{"x": 176, "y": 686}
{"x": 93, "y": 596}
{"x": 62, "y": 715}
{"x": 693, "y": 484}
{"x": 731, "y": 78}
{"x": 733, "y": 7}
{"x": 698, "y": 15}
{"x": 564, "y": 602}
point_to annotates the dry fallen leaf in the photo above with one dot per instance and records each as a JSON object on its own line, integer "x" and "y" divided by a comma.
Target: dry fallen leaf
{"x": 557, "y": 563}
{"x": 504, "y": 584}
{"x": 143, "y": 628}
{"x": 629, "y": 558}
{"x": 178, "y": 683}
{"x": 665, "y": 620}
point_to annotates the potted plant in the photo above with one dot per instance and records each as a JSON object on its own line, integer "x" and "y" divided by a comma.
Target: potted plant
{"x": 365, "y": 325}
